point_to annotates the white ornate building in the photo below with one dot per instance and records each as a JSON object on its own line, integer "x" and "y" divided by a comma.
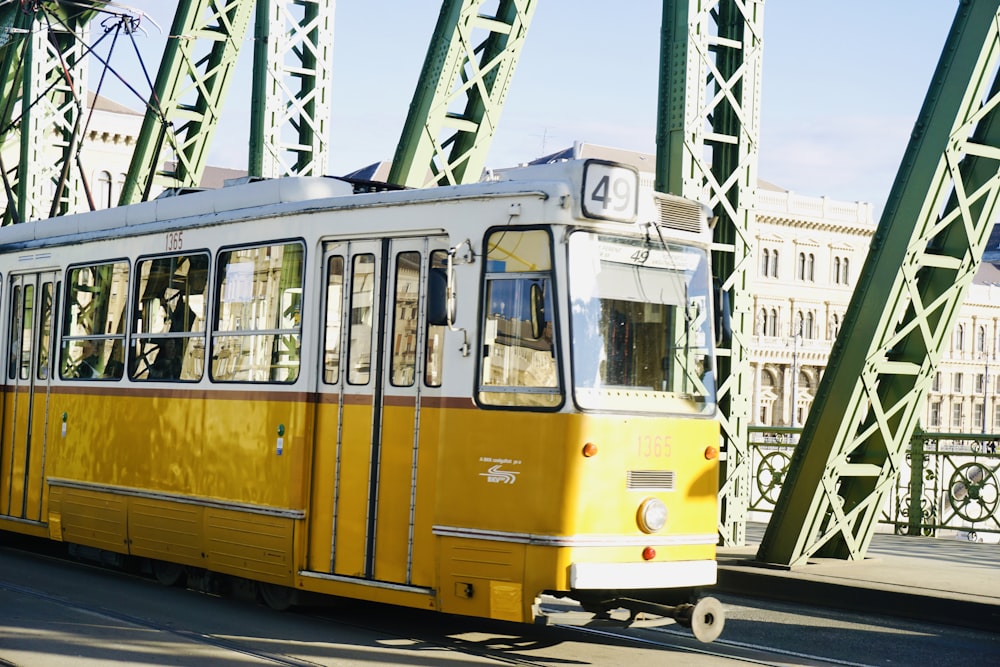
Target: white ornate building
{"x": 809, "y": 252}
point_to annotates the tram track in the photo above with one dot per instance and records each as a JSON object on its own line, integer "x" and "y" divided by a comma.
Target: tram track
{"x": 496, "y": 642}
{"x": 145, "y": 623}
{"x": 138, "y": 613}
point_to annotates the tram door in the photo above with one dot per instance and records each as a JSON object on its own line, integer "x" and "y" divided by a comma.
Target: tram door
{"x": 31, "y": 301}
{"x": 365, "y": 485}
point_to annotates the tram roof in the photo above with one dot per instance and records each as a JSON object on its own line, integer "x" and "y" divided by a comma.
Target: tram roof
{"x": 262, "y": 198}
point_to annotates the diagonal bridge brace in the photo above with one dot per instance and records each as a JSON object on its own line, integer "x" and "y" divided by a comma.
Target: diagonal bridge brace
{"x": 922, "y": 259}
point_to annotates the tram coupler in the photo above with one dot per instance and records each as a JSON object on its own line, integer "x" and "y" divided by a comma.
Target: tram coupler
{"x": 705, "y": 617}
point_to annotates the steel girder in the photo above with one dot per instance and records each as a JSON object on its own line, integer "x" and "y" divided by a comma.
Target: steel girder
{"x": 923, "y": 257}
{"x": 43, "y": 77}
{"x": 182, "y": 114}
{"x": 290, "y": 109}
{"x": 460, "y": 94}
{"x": 706, "y": 149}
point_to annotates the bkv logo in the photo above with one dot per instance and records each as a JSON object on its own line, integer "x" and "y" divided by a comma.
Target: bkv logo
{"x": 495, "y": 475}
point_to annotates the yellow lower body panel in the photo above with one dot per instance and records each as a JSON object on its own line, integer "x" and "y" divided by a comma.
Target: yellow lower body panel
{"x": 231, "y": 541}
{"x": 483, "y": 578}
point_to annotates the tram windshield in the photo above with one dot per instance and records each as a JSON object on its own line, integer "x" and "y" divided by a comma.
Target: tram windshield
{"x": 641, "y": 325}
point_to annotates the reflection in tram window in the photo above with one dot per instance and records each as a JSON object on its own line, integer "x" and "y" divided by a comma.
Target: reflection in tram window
{"x": 15, "y": 330}
{"x": 404, "y": 330}
{"x": 93, "y": 330}
{"x": 45, "y": 332}
{"x": 641, "y": 326}
{"x": 258, "y": 327}
{"x": 434, "y": 356}
{"x": 334, "y": 313}
{"x": 519, "y": 362}
{"x": 359, "y": 347}
{"x": 168, "y": 338}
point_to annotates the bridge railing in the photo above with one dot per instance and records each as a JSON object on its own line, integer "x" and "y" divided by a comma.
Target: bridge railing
{"x": 948, "y": 485}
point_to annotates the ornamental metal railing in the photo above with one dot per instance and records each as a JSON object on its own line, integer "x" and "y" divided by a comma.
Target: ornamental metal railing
{"x": 948, "y": 486}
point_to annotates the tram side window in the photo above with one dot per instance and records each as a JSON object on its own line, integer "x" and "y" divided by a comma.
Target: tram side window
{"x": 334, "y": 312}
{"x": 518, "y": 365}
{"x": 45, "y": 335}
{"x": 258, "y": 327}
{"x": 168, "y": 311}
{"x": 434, "y": 357}
{"x": 359, "y": 347}
{"x": 404, "y": 329}
{"x": 93, "y": 331}
{"x": 19, "y": 363}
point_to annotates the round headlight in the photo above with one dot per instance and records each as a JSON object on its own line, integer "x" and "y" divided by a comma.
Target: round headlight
{"x": 652, "y": 515}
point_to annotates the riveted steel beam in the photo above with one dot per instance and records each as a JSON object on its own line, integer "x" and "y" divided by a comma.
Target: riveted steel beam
{"x": 460, "y": 94}
{"x": 923, "y": 257}
{"x": 706, "y": 149}
{"x": 290, "y": 111}
{"x": 183, "y": 112}
{"x": 43, "y": 80}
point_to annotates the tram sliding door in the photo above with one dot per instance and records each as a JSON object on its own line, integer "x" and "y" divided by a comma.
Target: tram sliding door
{"x": 365, "y": 485}
{"x": 31, "y": 308}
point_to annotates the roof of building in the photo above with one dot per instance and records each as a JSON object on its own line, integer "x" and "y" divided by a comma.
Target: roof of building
{"x": 100, "y": 103}
{"x": 988, "y": 273}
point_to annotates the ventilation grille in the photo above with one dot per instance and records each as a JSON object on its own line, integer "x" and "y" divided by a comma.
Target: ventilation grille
{"x": 659, "y": 480}
{"x": 681, "y": 214}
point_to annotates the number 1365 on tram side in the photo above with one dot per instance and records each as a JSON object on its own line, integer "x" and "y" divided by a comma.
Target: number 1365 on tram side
{"x": 460, "y": 398}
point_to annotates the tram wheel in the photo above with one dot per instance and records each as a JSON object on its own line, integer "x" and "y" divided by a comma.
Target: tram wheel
{"x": 168, "y": 574}
{"x": 279, "y": 598}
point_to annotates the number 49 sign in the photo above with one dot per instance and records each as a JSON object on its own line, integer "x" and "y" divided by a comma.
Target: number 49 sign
{"x": 610, "y": 191}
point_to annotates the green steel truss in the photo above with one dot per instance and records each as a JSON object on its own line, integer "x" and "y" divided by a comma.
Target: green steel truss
{"x": 43, "y": 87}
{"x": 706, "y": 149}
{"x": 290, "y": 111}
{"x": 461, "y": 91}
{"x": 181, "y": 117}
{"x": 923, "y": 257}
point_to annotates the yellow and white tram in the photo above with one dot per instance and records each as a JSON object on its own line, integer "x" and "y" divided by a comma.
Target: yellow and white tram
{"x": 456, "y": 398}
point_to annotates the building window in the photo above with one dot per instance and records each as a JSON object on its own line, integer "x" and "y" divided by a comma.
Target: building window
{"x": 836, "y": 270}
{"x": 810, "y": 326}
{"x": 958, "y": 339}
{"x": 935, "y": 414}
{"x": 977, "y": 415}
{"x": 811, "y": 268}
{"x": 845, "y": 272}
{"x": 980, "y": 339}
{"x": 980, "y": 383}
{"x": 769, "y": 263}
{"x": 104, "y": 190}
{"x": 956, "y": 383}
{"x": 936, "y": 382}
{"x": 801, "y": 270}
{"x": 996, "y": 418}
{"x": 957, "y": 415}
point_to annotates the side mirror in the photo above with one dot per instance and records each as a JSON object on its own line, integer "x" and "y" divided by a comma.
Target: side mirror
{"x": 437, "y": 297}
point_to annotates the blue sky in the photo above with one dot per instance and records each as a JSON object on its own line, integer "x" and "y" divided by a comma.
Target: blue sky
{"x": 842, "y": 83}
